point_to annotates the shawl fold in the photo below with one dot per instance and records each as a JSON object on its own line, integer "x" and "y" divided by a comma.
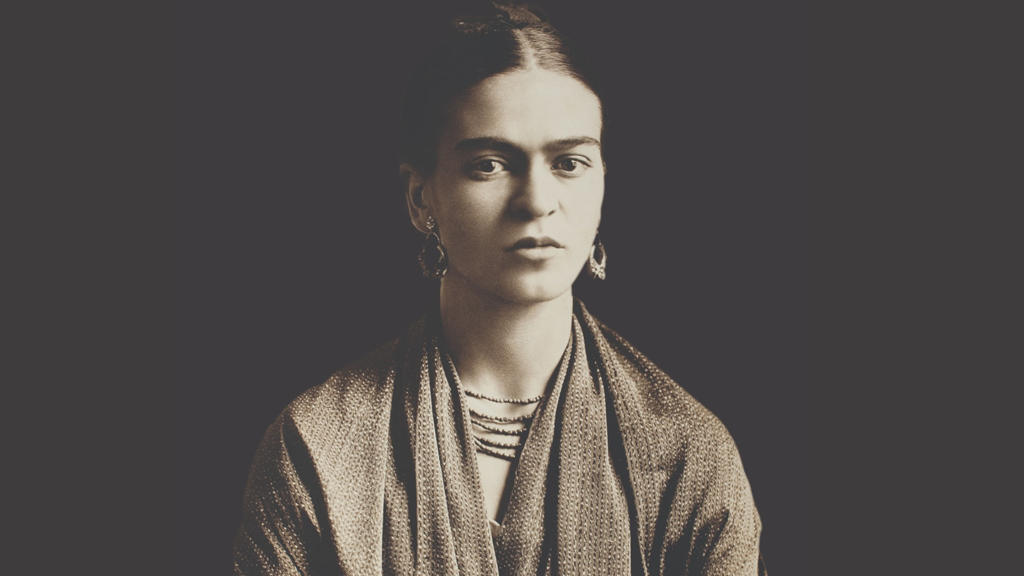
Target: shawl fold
{"x": 374, "y": 472}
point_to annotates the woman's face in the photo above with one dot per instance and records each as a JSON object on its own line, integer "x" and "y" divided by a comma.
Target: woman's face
{"x": 518, "y": 187}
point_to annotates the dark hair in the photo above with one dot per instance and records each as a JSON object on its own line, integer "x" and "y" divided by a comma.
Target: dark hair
{"x": 476, "y": 48}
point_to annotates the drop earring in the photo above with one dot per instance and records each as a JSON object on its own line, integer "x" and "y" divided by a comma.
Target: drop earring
{"x": 597, "y": 260}
{"x": 433, "y": 257}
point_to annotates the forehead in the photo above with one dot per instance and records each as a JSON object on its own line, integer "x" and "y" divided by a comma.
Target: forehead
{"x": 527, "y": 107}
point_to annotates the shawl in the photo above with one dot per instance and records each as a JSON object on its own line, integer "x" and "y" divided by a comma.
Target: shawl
{"x": 374, "y": 472}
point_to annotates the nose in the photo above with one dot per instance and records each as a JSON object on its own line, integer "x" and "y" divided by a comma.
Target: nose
{"x": 538, "y": 193}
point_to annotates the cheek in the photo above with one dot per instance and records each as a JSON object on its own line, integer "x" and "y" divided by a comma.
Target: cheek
{"x": 470, "y": 213}
{"x": 590, "y": 218}
{"x": 587, "y": 206}
{"x": 466, "y": 215}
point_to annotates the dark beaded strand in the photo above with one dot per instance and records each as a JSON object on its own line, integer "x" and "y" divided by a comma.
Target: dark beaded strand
{"x": 503, "y": 419}
{"x": 499, "y": 429}
{"x": 496, "y": 444}
{"x": 497, "y": 400}
{"x": 481, "y": 447}
{"x": 504, "y": 450}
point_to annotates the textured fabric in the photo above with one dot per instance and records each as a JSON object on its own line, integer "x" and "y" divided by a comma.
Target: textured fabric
{"x": 374, "y": 472}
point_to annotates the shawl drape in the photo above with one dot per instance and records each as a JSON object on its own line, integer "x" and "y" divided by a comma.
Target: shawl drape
{"x": 374, "y": 472}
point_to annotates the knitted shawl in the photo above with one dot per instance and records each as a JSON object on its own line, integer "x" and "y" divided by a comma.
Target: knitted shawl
{"x": 374, "y": 472}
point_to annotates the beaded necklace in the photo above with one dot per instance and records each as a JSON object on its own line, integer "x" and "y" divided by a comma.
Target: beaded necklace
{"x": 503, "y": 436}
{"x": 488, "y": 428}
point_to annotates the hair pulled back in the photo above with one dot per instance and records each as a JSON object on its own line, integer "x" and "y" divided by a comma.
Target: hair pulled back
{"x": 474, "y": 49}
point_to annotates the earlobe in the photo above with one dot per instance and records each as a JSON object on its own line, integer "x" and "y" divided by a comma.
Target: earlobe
{"x": 414, "y": 197}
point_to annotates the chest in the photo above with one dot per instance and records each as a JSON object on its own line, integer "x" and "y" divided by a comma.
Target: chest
{"x": 496, "y": 483}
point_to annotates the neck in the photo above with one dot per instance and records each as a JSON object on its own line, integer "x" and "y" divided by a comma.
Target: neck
{"x": 500, "y": 348}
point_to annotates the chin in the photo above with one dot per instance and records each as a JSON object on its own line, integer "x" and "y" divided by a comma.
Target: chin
{"x": 533, "y": 288}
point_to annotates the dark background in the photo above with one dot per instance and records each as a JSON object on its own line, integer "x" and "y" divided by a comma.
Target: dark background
{"x": 295, "y": 255}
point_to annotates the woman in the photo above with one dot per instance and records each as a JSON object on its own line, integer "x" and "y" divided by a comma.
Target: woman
{"x": 508, "y": 431}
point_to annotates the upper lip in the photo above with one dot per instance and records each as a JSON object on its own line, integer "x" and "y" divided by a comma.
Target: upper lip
{"x": 535, "y": 242}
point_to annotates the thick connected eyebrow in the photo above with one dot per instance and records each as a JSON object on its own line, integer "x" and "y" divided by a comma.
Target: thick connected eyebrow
{"x": 567, "y": 143}
{"x": 487, "y": 142}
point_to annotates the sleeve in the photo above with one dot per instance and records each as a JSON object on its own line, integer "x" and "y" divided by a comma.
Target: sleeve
{"x": 713, "y": 528}
{"x": 726, "y": 539}
{"x": 280, "y": 533}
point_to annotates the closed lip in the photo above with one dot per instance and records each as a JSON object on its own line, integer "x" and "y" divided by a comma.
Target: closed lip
{"x": 536, "y": 242}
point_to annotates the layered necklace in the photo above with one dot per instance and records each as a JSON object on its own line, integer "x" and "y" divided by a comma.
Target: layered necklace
{"x": 499, "y": 436}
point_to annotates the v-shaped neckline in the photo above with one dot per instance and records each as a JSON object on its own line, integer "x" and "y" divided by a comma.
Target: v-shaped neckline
{"x": 498, "y": 530}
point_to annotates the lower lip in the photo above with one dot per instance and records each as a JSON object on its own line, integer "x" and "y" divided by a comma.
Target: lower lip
{"x": 537, "y": 252}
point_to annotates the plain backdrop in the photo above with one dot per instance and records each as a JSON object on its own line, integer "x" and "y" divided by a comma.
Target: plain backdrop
{"x": 295, "y": 255}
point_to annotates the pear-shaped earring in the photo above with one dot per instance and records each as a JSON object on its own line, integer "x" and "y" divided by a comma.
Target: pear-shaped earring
{"x": 598, "y": 259}
{"x": 433, "y": 257}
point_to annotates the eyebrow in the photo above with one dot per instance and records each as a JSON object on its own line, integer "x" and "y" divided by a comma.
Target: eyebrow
{"x": 506, "y": 146}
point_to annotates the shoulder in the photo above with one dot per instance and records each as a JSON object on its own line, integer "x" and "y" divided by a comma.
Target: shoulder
{"x": 352, "y": 398}
{"x": 303, "y": 468}
{"x": 679, "y": 425}
{"x": 684, "y": 464}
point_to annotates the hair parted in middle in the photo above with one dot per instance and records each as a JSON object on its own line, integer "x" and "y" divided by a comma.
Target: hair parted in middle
{"x": 512, "y": 37}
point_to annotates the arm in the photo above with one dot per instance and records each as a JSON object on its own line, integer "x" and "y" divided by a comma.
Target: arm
{"x": 280, "y": 533}
{"x": 713, "y": 528}
{"x": 727, "y": 536}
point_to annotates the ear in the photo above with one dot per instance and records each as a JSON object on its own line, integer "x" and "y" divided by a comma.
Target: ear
{"x": 415, "y": 183}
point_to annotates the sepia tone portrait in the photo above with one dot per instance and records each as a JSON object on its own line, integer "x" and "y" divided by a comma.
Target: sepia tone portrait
{"x": 485, "y": 288}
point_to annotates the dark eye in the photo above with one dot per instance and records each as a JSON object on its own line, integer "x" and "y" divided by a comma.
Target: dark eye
{"x": 568, "y": 164}
{"x": 573, "y": 165}
{"x": 488, "y": 166}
